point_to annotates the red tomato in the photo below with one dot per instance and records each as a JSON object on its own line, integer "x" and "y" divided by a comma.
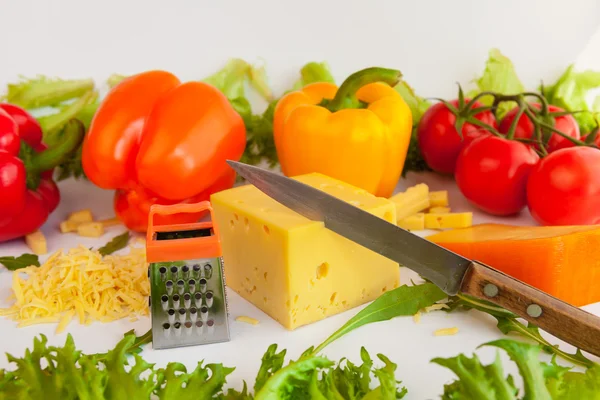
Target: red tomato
{"x": 524, "y": 129}
{"x": 492, "y": 172}
{"x": 564, "y": 188}
{"x": 438, "y": 139}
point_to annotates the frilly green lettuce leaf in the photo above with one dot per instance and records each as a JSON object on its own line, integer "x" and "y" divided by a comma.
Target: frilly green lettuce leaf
{"x": 570, "y": 92}
{"x": 498, "y": 76}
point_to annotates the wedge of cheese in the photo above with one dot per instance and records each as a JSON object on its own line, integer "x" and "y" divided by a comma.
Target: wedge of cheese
{"x": 563, "y": 261}
{"x": 293, "y": 268}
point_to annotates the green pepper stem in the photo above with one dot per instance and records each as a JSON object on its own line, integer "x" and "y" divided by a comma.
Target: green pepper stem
{"x": 359, "y": 79}
{"x": 69, "y": 140}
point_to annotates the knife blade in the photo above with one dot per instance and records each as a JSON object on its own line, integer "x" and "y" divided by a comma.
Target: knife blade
{"x": 449, "y": 271}
{"x": 442, "y": 267}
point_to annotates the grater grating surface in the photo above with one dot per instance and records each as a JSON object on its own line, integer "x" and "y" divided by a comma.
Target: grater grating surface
{"x": 188, "y": 298}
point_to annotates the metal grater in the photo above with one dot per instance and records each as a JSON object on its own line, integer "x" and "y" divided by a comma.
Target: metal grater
{"x": 188, "y": 299}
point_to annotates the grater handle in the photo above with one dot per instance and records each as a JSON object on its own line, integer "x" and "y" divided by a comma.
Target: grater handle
{"x": 192, "y": 208}
{"x": 168, "y": 250}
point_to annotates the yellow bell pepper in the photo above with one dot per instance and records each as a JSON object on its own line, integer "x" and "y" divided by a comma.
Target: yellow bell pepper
{"x": 358, "y": 134}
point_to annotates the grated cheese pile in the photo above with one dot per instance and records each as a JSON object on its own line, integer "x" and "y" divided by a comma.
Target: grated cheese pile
{"x": 83, "y": 284}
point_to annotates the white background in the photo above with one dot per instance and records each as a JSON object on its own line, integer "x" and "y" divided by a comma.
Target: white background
{"x": 434, "y": 43}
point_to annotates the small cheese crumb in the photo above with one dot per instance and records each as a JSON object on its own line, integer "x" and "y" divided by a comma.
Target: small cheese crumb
{"x": 81, "y": 284}
{"x": 36, "y": 241}
{"x": 417, "y": 317}
{"x": 68, "y": 226}
{"x": 247, "y": 320}
{"x": 81, "y": 216}
{"x": 439, "y": 198}
{"x": 436, "y": 307}
{"x": 90, "y": 229}
{"x": 446, "y": 332}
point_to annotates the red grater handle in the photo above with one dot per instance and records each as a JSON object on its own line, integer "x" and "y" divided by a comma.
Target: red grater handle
{"x": 193, "y": 208}
{"x": 165, "y": 251}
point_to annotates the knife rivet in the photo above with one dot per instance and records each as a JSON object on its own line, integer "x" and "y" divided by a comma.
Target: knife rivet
{"x": 534, "y": 311}
{"x": 490, "y": 290}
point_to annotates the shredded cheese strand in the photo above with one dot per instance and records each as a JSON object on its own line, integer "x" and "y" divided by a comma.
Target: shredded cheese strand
{"x": 81, "y": 284}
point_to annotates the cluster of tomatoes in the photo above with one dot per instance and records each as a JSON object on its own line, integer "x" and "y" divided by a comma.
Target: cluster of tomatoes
{"x": 558, "y": 179}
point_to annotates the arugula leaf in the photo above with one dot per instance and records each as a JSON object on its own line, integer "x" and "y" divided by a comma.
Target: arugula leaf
{"x": 508, "y": 323}
{"x": 570, "y": 92}
{"x": 501, "y": 77}
{"x": 22, "y": 261}
{"x": 402, "y": 301}
{"x": 117, "y": 243}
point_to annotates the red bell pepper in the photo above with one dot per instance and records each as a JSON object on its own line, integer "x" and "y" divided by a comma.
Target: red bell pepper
{"x": 27, "y": 192}
{"x": 156, "y": 140}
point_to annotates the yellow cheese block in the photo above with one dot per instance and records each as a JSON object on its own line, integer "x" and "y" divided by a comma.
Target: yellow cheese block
{"x": 412, "y": 201}
{"x": 439, "y": 198}
{"x": 293, "y": 268}
{"x": 413, "y": 223}
{"x": 439, "y": 210}
{"x": 448, "y": 220}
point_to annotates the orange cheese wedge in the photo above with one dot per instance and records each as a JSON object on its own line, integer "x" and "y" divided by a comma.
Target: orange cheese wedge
{"x": 563, "y": 261}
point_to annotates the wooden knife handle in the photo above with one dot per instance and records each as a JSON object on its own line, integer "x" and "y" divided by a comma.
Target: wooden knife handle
{"x": 566, "y": 322}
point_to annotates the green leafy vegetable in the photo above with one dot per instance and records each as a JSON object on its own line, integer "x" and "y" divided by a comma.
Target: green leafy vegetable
{"x": 542, "y": 381}
{"x": 570, "y": 92}
{"x": 232, "y": 80}
{"x": 509, "y": 323}
{"x": 65, "y": 373}
{"x": 115, "y": 79}
{"x": 313, "y": 72}
{"x": 46, "y": 92}
{"x": 135, "y": 346}
{"x": 22, "y": 261}
{"x": 418, "y": 105}
{"x": 117, "y": 243}
{"x": 500, "y": 77}
{"x": 402, "y": 301}
{"x": 53, "y": 123}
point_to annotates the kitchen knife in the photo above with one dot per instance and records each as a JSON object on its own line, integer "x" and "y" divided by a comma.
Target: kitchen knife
{"x": 451, "y": 272}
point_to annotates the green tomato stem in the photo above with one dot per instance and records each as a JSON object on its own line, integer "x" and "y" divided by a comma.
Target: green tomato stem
{"x": 346, "y": 94}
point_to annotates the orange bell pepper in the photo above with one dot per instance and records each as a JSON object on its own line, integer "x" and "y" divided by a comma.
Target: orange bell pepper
{"x": 358, "y": 134}
{"x": 159, "y": 141}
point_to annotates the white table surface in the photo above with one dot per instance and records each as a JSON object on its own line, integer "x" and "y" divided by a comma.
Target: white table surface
{"x": 406, "y": 343}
